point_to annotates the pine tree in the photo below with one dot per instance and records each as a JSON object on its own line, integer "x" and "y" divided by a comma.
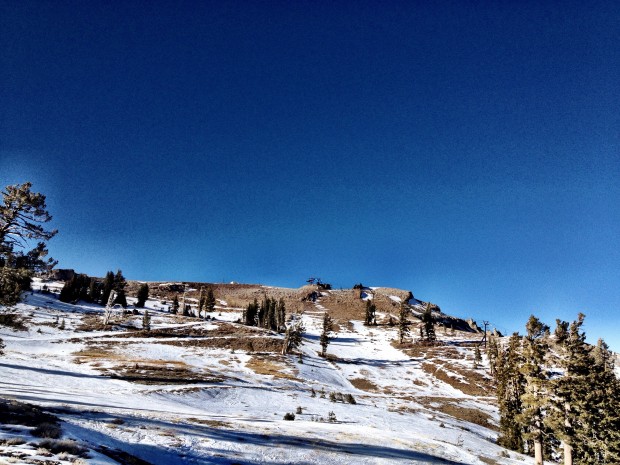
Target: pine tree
{"x": 575, "y": 359}
{"x": 510, "y": 388}
{"x": 250, "y": 314}
{"x": 107, "y": 287}
{"x": 142, "y": 295}
{"x": 2, "y": 346}
{"x": 119, "y": 286}
{"x": 281, "y": 315}
{"x": 94, "y": 291}
{"x": 477, "y": 357}
{"x": 22, "y": 216}
{"x": 403, "y": 324}
{"x": 492, "y": 354}
{"x": 202, "y": 301}
{"x": 175, "y": 304}
{"x": 293, "y": 337}
{"x": 146, "y": 321}
{"x": 328, "y": 326}
{"x": 371, "y": 310}
{"x": 429, "y": 324}
{"x": 210, "y": 300}
{"x": 535, "y": 396}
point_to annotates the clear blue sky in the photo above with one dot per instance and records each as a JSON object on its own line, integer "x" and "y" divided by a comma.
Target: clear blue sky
{"x": 466, "y": 151}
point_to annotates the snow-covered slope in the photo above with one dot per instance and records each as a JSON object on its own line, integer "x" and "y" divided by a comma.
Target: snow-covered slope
{"x": 213, "y": 391}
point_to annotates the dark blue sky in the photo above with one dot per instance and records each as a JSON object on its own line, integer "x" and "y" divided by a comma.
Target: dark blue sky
{"x": 466, "y": 151}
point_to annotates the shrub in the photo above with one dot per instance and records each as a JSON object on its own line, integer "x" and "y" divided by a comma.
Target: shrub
{"x": 299, "y": 410}
{"x": 350, "y": 399}
{"x": 67, "y": 445}
{"x": 331, "y": 417}
{"x": 332, "y": 396}
{"x": 12, "y": 320}
{"x": 289, "y": 416}
{"x": 47, "y": 430}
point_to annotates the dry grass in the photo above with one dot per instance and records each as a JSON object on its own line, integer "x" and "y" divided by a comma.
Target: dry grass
{"x": 160, "y": 372}
{"x": 453, "y": 409}
{"x": 247, "y": 344}
{"x": 474, "y": 384}
{"x": 271, "y": 366}
{"x": 210, "y": 423}
{"x": 364, "y": 384}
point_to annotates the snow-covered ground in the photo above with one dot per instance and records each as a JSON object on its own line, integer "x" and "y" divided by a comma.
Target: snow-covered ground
{"x": 226, "y": 406}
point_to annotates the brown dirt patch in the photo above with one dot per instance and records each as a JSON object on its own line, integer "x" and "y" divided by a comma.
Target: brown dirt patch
{"x": 364, "y": 384}
{"x": 453, "y": 409}
{"x": 272, "y": 366}
{"x": 210, "y": 423}
{"x": 473, "y": 385}
{"x": 246, "y": 344}
{"x": 160, "y": 373}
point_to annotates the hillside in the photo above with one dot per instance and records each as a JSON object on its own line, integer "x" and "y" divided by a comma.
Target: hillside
{"x": 211, "y": 390}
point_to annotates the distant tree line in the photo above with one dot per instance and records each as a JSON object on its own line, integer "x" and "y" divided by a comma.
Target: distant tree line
{"x": 558, "y": 396}
{"x": 83, "y": 287}
{"x": 269, "y": 314}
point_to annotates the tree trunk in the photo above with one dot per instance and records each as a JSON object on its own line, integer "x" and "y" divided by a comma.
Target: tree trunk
{"x": 538, "y": 455}
{"x": 568, "y": 454}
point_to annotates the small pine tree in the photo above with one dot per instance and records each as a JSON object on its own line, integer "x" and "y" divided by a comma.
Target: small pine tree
{"x": 477, "y": 357}
{"x": 293, "y": 337}
{"x": 94, "y": 291}
{"x": 107, "y": 287}
{"x": 142, "y": 295}
{"x": 146, "y": 321}
{"x": 328, "y": 326}
{"x": 250, "y": 314}
{"x": 429, "y": 324}
{"x": 281, "y": 315}
{"x": 119, "y": 286}
{"x": 2, "y": 346}
{"x": 371, "y": 310}
{"x": 210, "y": 300}
{"x": 403, "y": 324}
{"x": 175, "y": 304}
{"x": 492, "y": 354}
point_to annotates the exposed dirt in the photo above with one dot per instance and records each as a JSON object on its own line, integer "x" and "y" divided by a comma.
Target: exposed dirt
{"x": 272, "y": 365}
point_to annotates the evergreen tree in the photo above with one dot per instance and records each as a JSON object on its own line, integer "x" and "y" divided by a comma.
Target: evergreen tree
{"x": 210, "y": 300}
{"x": 328, "y": 326}
{"x": 175, "y": 304}
{"x": 510, "y": 388}
{"x": 146, "y": 321}
{"x": 142, "y": 295}
{"x": 429, "y": 324}
{"x": 75, "y": 289}
{"x": 119, "y": 286}
{"x": 535, "y": 396}
{"x": 293, "y": 337}
{"x": 22, "y": 216}
{"x": 477, "y": 357}
{"x": 2, "y": 346}
{"x": 403, "y": 324}
{"x": 492, "y": 354}
{"x": 202, "y": 301}
{"x": 586, "y": 398}
{"x": 250, "y": 314}
{"x": 107, "y": 287}
{"x": 575, "y": 359}
{"x": 281, "y": 315}
{"x": 94, "y": 291}
{"x": 371, "y": 310}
